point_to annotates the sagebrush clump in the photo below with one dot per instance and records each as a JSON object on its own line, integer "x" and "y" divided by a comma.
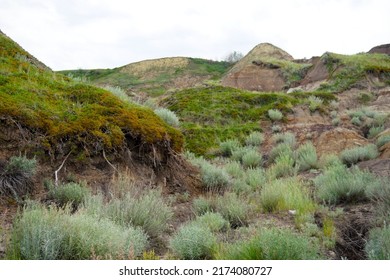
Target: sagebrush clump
{"x": 16, "y": 176}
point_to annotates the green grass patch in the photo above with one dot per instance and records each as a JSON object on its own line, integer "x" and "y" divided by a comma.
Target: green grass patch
{"x": 72, "y": 115}
{"x": 214, "y": 114}
{"x": 271, "y": 244}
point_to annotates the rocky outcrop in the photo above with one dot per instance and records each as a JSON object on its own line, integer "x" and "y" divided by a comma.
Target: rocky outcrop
{"x": 381, "y": 49}
{"x": 336, "y": 140}
{"x": 255, "y": 72}
{"x": 380, "y": 167}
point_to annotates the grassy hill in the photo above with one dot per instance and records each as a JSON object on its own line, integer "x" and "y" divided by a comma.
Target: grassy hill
{"x": 60, "y": 114}
{"x": 211, "y": 115}
{"x": 156, "y": 76}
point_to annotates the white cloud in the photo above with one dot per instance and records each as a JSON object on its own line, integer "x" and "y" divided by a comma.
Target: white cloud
{"x": 110, "y": 33}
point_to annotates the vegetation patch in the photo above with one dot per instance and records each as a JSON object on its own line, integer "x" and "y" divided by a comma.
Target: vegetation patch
{"x": 347, "y": 70}
{"x": 271, "y": 244}
{"x": 212, "y": 115}
{"x": 70, "y": 115}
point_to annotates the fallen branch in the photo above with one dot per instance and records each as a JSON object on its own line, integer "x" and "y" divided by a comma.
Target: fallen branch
{"x": 58, "y": 170}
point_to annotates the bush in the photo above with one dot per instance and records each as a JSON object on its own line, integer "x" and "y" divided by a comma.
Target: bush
{"x": 254, "y": 139}
{"x": 235, "y": 169}
{"x": 214, "y": 179}
{"x": 356, "y": 121}
{"x": 251, "y": 159}
{"x": 148, "y": 211}
{"x": 314, "y": 103}
{"x": 286, "y": 194}
{"x": 272, "y": 244}
{"x": 71, "y": 193}
{"x": 276, "y": 128}
{"x": 275, "y": 115}
{"x": 382, "y": 140}
{"x": 336, "y": 121}
{"x": 119, "y": 92}
{"x": 306, "y": 157}
{"x": 339, "y": 184}
{"x": 192, "y": 242}
{"x": 283, "y": 167}
{"x": 228, "y": 147}
{"x": 168, "y": 116}
{"x": 213, "y": 221}
{"x": 279, "y": 150}
{"x": 287, "y": 138}
{"x": 374, "y": 131}
{"x": 16, "y": 176}
{"x": 357, "y": 154}
{"x": 53, "y": 233}
{"x": 378, "y": 245}
{"x": 202, "y": 205}
{"x": 233, "y": 209}
{"x": 238, "y": 154}
{"x": 255, "y": 178}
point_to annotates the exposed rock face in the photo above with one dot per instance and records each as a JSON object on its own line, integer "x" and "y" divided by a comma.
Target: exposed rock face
{"x": 336, "y": 140}
{"x": 251, "y": 73}
{"x": 380, "y": 167}
{"x": 254, "y": 77}
{"x": 317, "y": 73}
{"x": 381, "y": 49}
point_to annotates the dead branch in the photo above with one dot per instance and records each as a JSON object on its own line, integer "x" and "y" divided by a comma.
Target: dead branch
{"x": 104, "y": 155}
{"x": 58, "y": 170}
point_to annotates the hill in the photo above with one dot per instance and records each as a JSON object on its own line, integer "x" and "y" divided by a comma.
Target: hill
{"x": 300, "y": 171}
{"x": 156, "y": 76}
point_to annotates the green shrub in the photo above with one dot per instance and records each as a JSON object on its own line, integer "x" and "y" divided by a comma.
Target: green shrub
{"x": 148, "y": 211}
{"x": 382, "y": 140}
{"x": 168, "y": 116}
{"x": 202, "y": 205}
{"x": 283, "y": 167}
{"x": 235, "y": 169}
{"x": 120, "y": 93}
{"x": 72, "y": 193}
{"x": 306, "y": 157}
{"x": 272, "y": 244}
{"x": 233, "y": 209}
{"x": 228, "y": 147}
{"x": 89, "y": 237}
{"x": 275, "y": 115}
{"x": 192, "y": 242}
{"x": 357, "y": 154}
{"x": 378, "y": 191}
{"x": 276, "y": 128}
{"x": 374, "y": 131}
{"x": 279, "y": 150}
{"x": 378, "y": 245}
{"x": 53, "y": 233}
{"x": 254, "y": 139}
{"x": 214, "y": 179}
{"x": 336, "y": 121}
{"x": 240, "y": 187}
{"x": 251, "y": 159}
{"x": 314, "y": 103}
{"x": 255, "y": 178}
{"x": 339, "y": 184}
{"x": 356, "y": 121}
{"x": 16, "y": 177}
{"x": 286, "y": 194}
{"x": 238, "y": 154}
{"x": 213, "y": 221}
{"x": 287, "y": 138}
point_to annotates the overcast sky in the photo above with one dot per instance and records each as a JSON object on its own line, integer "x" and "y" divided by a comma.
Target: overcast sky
{"x": 71, "y": 34}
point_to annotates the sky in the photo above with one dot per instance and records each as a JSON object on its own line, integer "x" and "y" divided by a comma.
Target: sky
{"x": 89, "y": 34}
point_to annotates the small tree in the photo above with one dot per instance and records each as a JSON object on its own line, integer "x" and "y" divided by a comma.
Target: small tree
{"x": 233, "y": 57}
